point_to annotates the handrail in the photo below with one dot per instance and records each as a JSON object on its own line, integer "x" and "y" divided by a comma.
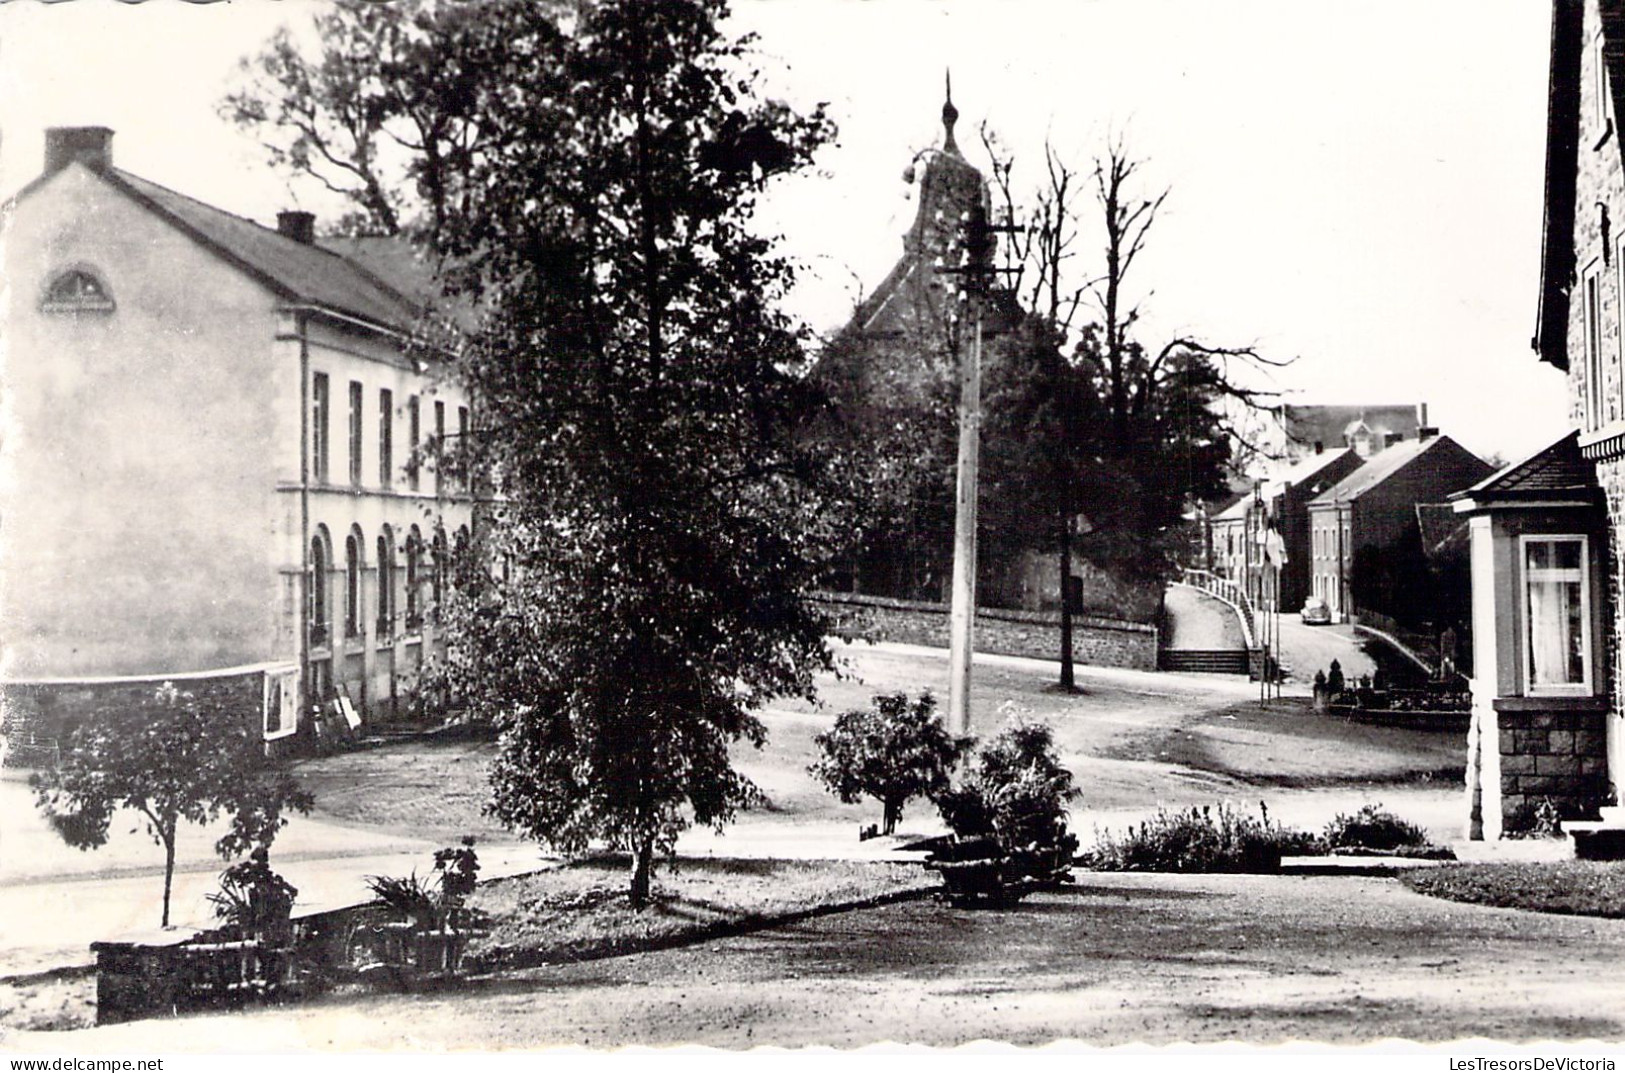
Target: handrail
{"x": 1227, "y": 591}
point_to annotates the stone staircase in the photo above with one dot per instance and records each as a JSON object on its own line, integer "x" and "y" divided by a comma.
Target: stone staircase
{"x": 1599, "y": 840}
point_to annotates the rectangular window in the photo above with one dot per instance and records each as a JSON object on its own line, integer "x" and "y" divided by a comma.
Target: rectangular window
{"x": 439, "y": 438}
{"x": 1557, "y": 610}
{"x": 1591, "y": 298}
{"x": 355, "y": 432}
{"x": 318, "y": 427}
{"x": 386, "y": 437}
{"x": 414, "y": 439}
{"x": 462, "y": 448}
{"x": 1603, "y": 106}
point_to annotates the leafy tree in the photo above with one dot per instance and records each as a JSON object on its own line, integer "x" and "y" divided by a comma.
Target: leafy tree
{"x": 659, "y": 523}
{"x": 175, "y": 757}
{"x": 893, "y": 751}
{"x": 387, "y": 112}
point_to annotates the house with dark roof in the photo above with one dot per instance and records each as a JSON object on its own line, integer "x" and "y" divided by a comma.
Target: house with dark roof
{"x": 1274, "y": 570}
{"x": 1548, "y": 722}
{"x": 1365, "y": 547}
{"x": 214, "y": 450}
{"x": 1365, "y": 430}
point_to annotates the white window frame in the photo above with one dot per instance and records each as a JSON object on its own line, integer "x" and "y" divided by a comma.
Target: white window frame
{"x": 1582, "y": 688}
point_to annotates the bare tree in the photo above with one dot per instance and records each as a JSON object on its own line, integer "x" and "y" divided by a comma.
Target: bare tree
{"x": 1133, "y": 434}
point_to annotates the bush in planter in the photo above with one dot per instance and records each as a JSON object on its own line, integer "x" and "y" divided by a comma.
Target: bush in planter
{"x": 893, "y": 751}
{"x": 431, "y": 925}
{"x": 254, "y": 901}
{"x": 1013, "y": 802}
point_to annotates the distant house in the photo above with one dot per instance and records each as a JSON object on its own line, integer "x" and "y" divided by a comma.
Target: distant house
{"x": 1242, "y": 547}
{"x": 213, "y": 454}
{"x": 1366, "y": 559}
{"x": 1548, "y": 729}
{"x": 1365, "y": 430}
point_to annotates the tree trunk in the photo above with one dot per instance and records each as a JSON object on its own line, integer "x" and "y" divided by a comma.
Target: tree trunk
{"x": 892, "y": 811}
{"x": 168, "y": 835}
{"x": 642, "y": 873}
{"x": 1068, "y": 677}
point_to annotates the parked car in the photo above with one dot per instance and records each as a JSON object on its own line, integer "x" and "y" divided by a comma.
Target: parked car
{"x": 1315, "y": 612}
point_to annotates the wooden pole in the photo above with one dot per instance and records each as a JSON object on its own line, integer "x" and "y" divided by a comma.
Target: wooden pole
{"x": 962, "y": 611}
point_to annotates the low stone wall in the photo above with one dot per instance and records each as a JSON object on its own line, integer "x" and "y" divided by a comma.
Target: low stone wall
{"x": 37, "y": 718}
{"x": 1525, "y": 751}
{"x": 1555, "y": 755}
{"x": 1099, "y": 642}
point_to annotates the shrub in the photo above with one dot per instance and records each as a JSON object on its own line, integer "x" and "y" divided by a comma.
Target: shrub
{"x": 1222, "y": 839}
{"x": 1016, "y": 795}
{"x": 1373, "y": 827}
{"x": 1537, "y": 819}
{"x": 893, "y": 751}
{"x": 435, "y": 902}
{"x": 253, "y": 900}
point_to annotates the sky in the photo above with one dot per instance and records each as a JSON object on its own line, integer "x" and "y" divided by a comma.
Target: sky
{"x": 1353, "y": 186}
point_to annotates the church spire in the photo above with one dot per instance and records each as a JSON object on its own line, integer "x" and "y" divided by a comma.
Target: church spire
{"x": 950, "y": 115}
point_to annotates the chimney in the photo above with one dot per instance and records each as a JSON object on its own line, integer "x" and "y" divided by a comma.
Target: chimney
{"x": 92, "y": 146}
{"x": 1424, "y": 431}
{"x": 1320, "y": 446}
{"x": 299, "y": 226}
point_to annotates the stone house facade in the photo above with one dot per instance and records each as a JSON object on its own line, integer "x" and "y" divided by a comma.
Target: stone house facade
{"x": 1547, "y": 731}
{"x": 214, "y": 458}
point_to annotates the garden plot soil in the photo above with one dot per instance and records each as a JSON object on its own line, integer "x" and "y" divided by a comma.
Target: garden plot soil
{"x": 1120, "y": 959}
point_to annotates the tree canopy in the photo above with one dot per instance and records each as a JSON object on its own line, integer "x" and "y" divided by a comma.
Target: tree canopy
{"x": 176, "y": 756}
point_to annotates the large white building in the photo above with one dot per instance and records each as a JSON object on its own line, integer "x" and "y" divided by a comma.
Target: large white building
{"x": 215, "y": 452}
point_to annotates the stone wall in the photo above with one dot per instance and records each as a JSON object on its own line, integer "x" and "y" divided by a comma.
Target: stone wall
{"x": 37, "y": 718}
{"x": 1549, "y": 753}
{"x": 1096, "y": 641}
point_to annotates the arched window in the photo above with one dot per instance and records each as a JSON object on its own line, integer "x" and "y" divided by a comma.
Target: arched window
{"x": 386, "y": 584}
{"x": 352, "y": 584}
{"x": 316, "y": 589}
{"x": 414, "y": 579}
{"x": 438, "y": 581}
{"x": 77, "y": 290}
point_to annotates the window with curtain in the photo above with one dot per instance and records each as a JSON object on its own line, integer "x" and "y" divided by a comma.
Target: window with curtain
{"x": 1558, "y": 614}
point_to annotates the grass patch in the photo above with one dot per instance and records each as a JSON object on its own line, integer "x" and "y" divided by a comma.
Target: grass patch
{"x": 1575, "y": 888}
{"x": 49, "y": 1002}
{"x": 580, "y": 911}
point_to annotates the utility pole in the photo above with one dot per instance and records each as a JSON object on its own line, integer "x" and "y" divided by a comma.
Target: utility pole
{"x": 976, "y": 267}
{"x": 962, "y": 611}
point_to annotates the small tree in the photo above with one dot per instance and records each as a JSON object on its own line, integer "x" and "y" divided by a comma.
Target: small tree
{"x": 892, "y": 751}
{"x": 173, "y": 757}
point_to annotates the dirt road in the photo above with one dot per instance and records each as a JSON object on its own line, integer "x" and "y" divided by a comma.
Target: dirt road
{"x": 1123, "y": 958}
